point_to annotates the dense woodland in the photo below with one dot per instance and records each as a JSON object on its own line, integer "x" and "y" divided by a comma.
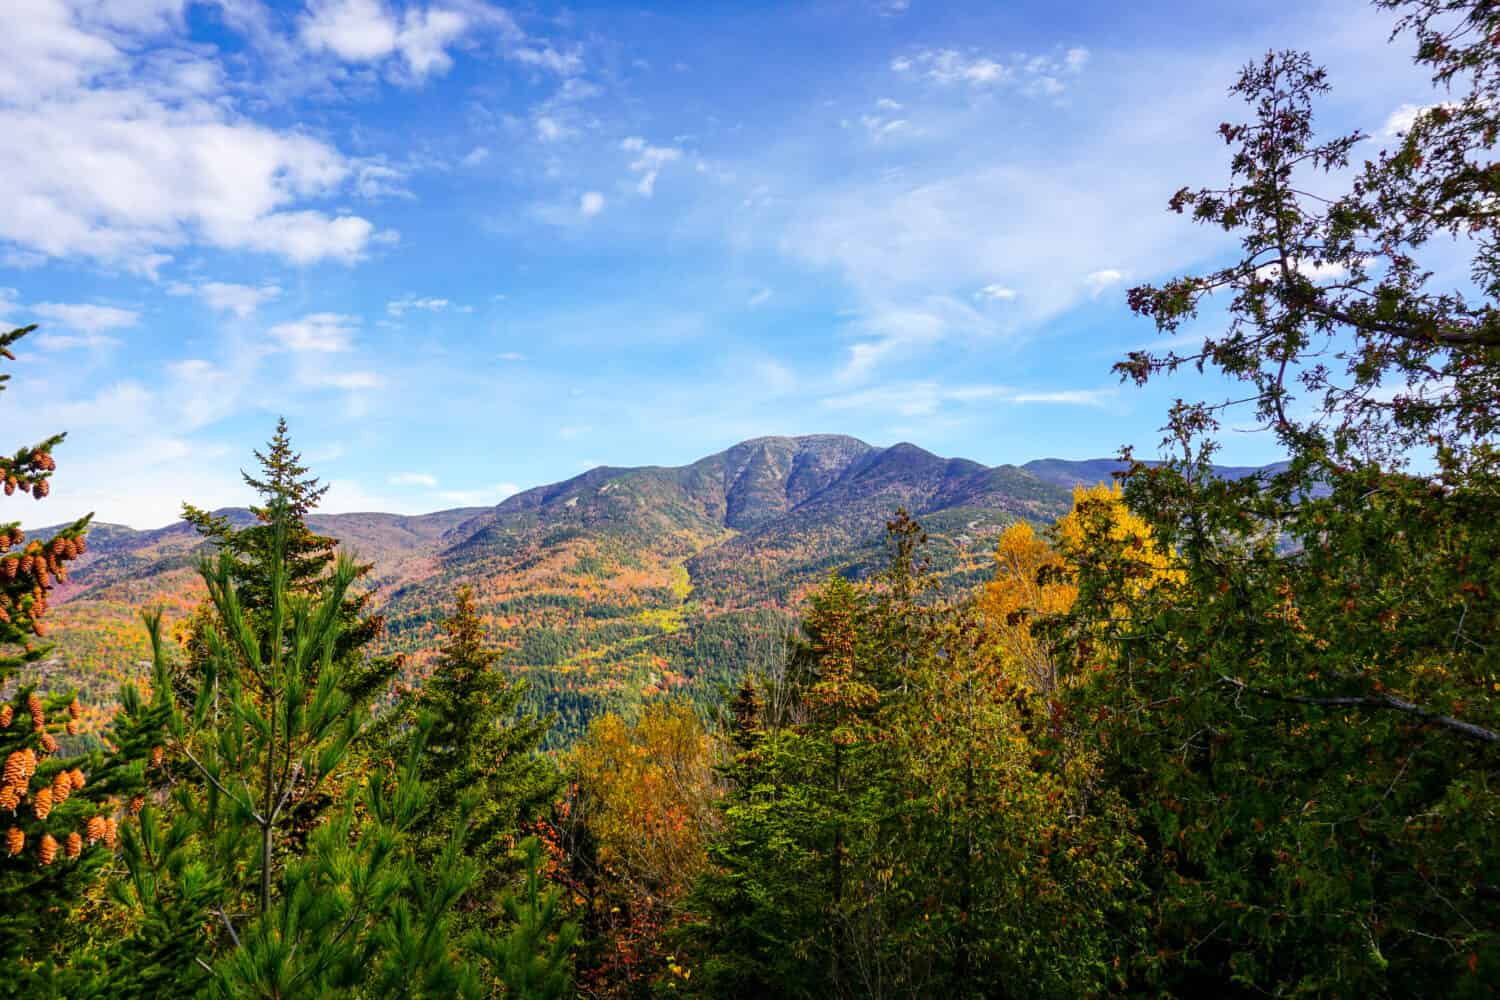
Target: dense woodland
{"x": 1200, "y": 736}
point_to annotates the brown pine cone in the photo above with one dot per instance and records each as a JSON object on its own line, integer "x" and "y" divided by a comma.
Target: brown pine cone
{"x": 94, "y": 830}
{"x": 41, "y": 488}
{"x": 74, "y": 845}
{"x": 72, "y": 727}
{"x": 15, "y": 840}
{"x": 35, "y": 707}
{"x": 10, "y": 797}
{"x": 49, "y": 743}
{"x": 62, "y": 787}
{"x": 75, "y": 710}
{"x": 41, "y": 802}
{"x": 48, "y": 849}
{"x": 15, "y": 767}
{"x": 76, "y": 777}
{"x": 6, "y": 715}
{"x": 157, "y": 754}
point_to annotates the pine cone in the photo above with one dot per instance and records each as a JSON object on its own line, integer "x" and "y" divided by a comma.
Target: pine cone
{"x": 38, "y": 715}
{"x": 136, "y": 802}
{"x": 75, "y": 710}
{"x": 41, "y": 802}
{"x": 10, "y": 567}
{"x": 15, "y": 768}
{"x": 48, "y": 849}
{"x": 10, "y": 486}
{"x": 71, "y": 727}
{"x": 62, "y": 787}
{"x": 157, "y": 755}
{"x": 15, "y": 840}
{"x": 49, "y": 743}
{"x": 73, "y": 846}
{"x": 7, "y": 713}
{"x": 76, "y": 776}
{"x": 111, "y": 828}
{"x": 94, "y": 830}
{"x": 41, "y": 488}
{"x": 10, "y": 797}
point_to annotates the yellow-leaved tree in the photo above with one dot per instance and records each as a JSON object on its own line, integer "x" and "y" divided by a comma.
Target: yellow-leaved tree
{"x": 1035, "y": 575}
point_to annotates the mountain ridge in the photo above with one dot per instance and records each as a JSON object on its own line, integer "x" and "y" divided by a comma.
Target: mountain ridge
{"x": 618, "y": 583}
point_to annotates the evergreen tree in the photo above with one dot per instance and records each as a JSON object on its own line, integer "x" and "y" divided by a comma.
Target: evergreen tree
{"x": 62, "y": 793}
{"x": 793, "y": 904}
{"x": 481, "y": 765}
{"x": 1307, "y": 728}
{"x": 533, "y": 960}
{"x": 223, "y": 903}
{"x": 288, "y": 492}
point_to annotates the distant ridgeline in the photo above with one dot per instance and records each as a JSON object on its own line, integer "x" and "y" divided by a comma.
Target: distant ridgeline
{"x": 617, "y": 584}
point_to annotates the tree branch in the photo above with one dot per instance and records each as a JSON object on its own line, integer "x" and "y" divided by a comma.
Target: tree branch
{"x": 1386, "y": 701}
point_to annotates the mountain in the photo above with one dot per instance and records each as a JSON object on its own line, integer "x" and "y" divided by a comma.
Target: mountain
{"x": 618, "y": 583}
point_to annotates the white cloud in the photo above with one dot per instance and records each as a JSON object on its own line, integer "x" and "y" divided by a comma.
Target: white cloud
{"x": 474, "y": 157}
{"x": 378, "y": 180}
{"x": 1067, "y": 397}
{"x": 512, "y": 356}
{"x": 223, "y": 296}
{"x": 1315, "y": 270}
{"x": 318, "y": 333}
{"x": 882, "y": 128}
{"x": 414, "y": 479}
{"x": 995, "y": 293}
{"x": 1035, "y": 75}
{"x": 356, "y": 30}
{"x": 1400, "y": 121}
{"x": 760, "y": 297}
{"x": 344, "y": 380}
{"x": 368, "y": 31}
{"x": 649, "y": 161}
{"x": 590, "y": 204}
{"x": 86, "y": 318}
{"x": 399, "y": 307}
{"x": 926, "y": 398}
{"x": 484, "y": 496}
{"x": 69, "y": 342}
{"x": 947, "y": 66}
{"x": 548, "y": 58}
{"x": 125, "y": 152}
{"x": 549, "y": 129}
{"x": 1102, "y": 279}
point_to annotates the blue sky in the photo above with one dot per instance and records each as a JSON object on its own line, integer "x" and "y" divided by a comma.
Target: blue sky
{"x": 468, "y": 248}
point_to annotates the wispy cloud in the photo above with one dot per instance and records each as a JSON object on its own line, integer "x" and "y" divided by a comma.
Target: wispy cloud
{"x": 317, "y": 333}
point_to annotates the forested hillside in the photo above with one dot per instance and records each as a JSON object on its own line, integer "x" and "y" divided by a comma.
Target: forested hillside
{"x": 612, "y": 586}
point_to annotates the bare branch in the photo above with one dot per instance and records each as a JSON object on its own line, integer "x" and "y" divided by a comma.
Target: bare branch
{"x": 1385, "y": 701}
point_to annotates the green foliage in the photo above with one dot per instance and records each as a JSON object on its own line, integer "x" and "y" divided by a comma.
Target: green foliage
{"x": 62, "y": 791}
{"x": 533, "y": 960}
{"x": 1307, "y": 729}
{"x": 890, "y": 826}
{"x": 484, "y": 777}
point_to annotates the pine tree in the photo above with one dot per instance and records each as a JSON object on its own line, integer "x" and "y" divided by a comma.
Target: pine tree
{"x": 58, "y": 814}
{"x": 480, "y": 747}
{"x": 533, "y": 961}
{"x": 288, "y": 491}
{"x": 222, "y": 900}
